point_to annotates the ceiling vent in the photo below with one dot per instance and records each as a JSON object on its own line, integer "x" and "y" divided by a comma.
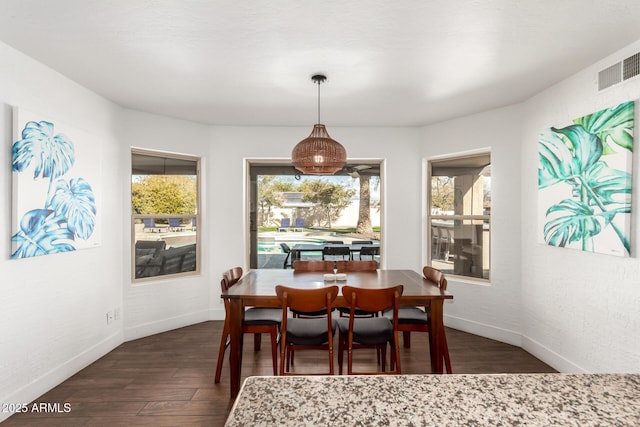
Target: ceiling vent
{"x": 619, "y": 71}
{"x": 631, "y": 66}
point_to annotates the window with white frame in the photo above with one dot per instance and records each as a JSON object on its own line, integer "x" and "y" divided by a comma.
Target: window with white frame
{"x": 459, "y": 225}
{"x": 164, "y": 214}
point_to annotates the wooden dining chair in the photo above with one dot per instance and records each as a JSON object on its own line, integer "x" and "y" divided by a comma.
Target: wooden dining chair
{"x": 314, "y": 266}
{"x": 303, "y": 333}
{"x": 344, "y": 266}
{"x": 257, "y": 320}
{"x": 370, "y": 332}
{"x": 416, "y": 319}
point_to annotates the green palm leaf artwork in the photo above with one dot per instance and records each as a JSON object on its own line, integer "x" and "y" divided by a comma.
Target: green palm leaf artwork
{"x": 585, "y": 180}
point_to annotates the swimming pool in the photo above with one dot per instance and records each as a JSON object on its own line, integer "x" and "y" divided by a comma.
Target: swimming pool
{"x": 273, "y": 246}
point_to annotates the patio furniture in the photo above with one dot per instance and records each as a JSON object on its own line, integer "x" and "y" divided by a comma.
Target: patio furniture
{"x": 299, "y": 224}
{"x": 371, "y": 251}
{"x": 287, "y": 250}
{"x": 150, "y": 225}
{"x": 285, "y": 224}
{"x": 175, "y": 225}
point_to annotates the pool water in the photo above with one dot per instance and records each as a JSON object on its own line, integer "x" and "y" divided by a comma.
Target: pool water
{"x": 272, "y": 247}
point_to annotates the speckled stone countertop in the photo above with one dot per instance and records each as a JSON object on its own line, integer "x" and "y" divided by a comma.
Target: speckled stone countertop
{"x": 440, "y": 400}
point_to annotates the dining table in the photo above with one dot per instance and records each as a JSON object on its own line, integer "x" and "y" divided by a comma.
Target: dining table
{"x": 257, "y": 288}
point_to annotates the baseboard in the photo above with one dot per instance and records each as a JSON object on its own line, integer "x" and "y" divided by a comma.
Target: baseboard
{"x": 61, "y": 373}
{"x": 550, "y": 357}
{"x": 163, "y": 325}
{"x": 484, "y": 330}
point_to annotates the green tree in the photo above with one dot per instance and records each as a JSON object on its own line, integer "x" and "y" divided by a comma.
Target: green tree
{"x": 329, "y": 199}
{"x": 270, "y": 189}
{"x": 164, "y": 194}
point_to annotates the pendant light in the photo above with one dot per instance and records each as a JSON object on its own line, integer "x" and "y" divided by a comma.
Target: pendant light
{"x": 318, "y": 154}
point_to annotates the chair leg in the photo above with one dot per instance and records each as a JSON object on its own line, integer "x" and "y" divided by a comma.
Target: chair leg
{"x": 257, "y": 341}
{"x": 274, "y": 349}
{"x": 447, "y": 361}
{"x": 340, "y": 354}
{"x": 406, "y": 339}
{"x": 223, "y": 347}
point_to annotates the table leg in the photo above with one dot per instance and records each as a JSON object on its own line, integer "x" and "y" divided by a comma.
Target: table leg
{"x": 236, "y": 314}
{"x": 436, "y": 333}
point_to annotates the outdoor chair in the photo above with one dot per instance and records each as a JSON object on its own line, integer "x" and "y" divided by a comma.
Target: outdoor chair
{"x": 175, "y": 225}
{"x": 333, "y": 252}
{"x": 287, "y": 250}
{"x": 371, "y": 251}
{"x": 306, "y": 333}
{"x": 299, "y": 224}
{"x": 150, "y": 224}
{"x": 257, "y": 320}
{"x": 370, "y": 332}
{"x": 285, "y": 224}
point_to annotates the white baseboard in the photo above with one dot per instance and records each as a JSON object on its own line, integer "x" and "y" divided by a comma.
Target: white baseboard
{"x": 550, "y": 357}
{"x": 484, "y": 330}
{"x": 533, "y": 347}
{"x": 61, "y": 373}
{"x": 164, "y": 325}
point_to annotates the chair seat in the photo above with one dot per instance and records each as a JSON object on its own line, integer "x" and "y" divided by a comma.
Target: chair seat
{"x": 308, "y": 331}
{"x": 412, "y": 315}
{"x": 262, "y": 316}
{"x": 368, "y": 330}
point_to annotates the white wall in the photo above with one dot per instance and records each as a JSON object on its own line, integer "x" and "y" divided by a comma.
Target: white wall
{"x": 581, "y": 311}
{"x": 160, "y": 305}
{"x": 492, "y": 310}
{"x": 52, "y": 309}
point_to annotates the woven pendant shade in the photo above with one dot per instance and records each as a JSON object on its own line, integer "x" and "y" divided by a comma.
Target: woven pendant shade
{"x": 318, "y": 154}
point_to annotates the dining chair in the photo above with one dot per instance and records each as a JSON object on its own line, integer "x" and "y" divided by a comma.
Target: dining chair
{"x": 306, "y": 333}
{"x": 257, "y": 320}
{"x": 370, "y": 332}
{"x": 416, "y": 319}
{"x": 347, "y": 266}
{"x": 287, "y": 250}
{"x": 314, "y": 266}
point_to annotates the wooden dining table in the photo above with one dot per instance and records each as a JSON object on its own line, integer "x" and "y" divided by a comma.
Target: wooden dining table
{"x": 257, "y": 288}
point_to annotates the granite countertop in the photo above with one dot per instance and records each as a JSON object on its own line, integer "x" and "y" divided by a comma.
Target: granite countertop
{"x": 440, "y": 400}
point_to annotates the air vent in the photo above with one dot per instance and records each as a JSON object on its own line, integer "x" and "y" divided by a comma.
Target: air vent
{"x": 610, "y": 76}
{"x": 631, "y": 67}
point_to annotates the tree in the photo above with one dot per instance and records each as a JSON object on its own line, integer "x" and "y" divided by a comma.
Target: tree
{"x": 329, "y": 199}
{"x": 364, "y": 209}
{"x": 270, "y": 189}
{"x": 442, "y": 192}
{"x": 164, "y": 194}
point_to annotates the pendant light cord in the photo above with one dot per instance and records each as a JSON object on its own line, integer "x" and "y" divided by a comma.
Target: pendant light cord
{"x": 319, "y": 101}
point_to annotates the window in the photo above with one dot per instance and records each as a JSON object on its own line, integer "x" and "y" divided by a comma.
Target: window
{"x": 288, "y": 209}
{"x": 164, "y": 214}
{"x": 459, "y": 215}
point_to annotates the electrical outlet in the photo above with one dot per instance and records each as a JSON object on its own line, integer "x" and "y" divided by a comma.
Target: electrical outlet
{"x": 109, "y": 317}
{"x": 116, "y": 313}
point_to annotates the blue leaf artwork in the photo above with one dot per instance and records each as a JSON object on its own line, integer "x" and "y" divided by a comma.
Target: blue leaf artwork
{"x": 59, "y": 213}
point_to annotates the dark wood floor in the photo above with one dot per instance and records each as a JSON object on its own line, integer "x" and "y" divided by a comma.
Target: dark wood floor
{"x": 167, "y": 379}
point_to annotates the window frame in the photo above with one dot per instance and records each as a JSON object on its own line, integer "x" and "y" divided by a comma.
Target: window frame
{"x": 430, "y": 217}
{"x": 197, "y": 215}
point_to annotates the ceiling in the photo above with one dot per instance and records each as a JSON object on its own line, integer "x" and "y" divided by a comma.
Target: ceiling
{"x": 388, "y": 63}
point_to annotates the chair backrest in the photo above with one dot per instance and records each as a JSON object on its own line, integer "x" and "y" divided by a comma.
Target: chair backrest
{"x": 370, "y": 250}
{"x": 436, "y": 276}
{"x": 285, "y": 223}
{"x": 347, "y": 266}
{"x": 174, "y": 222}
{"x": 324, "y": 266}
{"x": 334, "y": 242}
{"x": 149, "y": 222}
{"x": 285, "y": 248}
{"x": 361, "y": 242}
{"x": 336, "y": 250}
{"x": 299, "y": 223}
{"x": 230, "y": 277}
{"x": 307, "y": 300}
{"x": 373, "y": 300}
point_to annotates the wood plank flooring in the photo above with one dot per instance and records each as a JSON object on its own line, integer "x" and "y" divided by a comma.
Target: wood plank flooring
{"x": 167, "y": 379}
